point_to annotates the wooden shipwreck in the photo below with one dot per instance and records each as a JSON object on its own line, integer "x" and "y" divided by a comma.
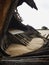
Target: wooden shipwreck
{"x": 19, "y": 43}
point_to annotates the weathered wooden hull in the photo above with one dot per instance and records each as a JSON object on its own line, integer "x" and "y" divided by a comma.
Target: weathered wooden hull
{"x": 40, "y": 57}
{"x": 26, "y": 61}
{"x": 4, "y": 6}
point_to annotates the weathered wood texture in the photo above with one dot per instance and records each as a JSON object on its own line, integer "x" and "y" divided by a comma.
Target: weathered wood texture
{"x": 26, "y": 61}
{"x": 4, "y": 6}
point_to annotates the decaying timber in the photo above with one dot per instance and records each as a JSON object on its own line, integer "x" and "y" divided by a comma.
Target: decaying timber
{"x": 19, "y": 40}
{"x": 10, "y": 14}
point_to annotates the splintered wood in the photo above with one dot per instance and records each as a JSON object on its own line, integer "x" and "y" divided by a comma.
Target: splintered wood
{"x": 17, "y": 49}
